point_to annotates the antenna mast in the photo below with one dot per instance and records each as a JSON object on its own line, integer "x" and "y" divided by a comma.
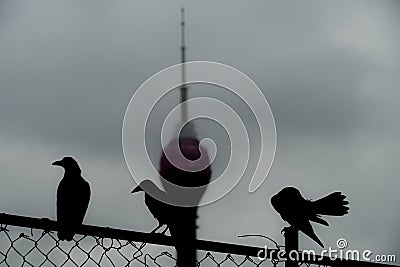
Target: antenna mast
{"x": 184, "y": 111}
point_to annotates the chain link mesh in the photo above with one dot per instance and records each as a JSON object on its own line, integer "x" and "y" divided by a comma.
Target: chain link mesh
{"x": 21, "y": 246}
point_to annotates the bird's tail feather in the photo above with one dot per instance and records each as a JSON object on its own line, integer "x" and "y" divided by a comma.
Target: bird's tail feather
{"x": 318, "y": 219}
{"x": 314, "y": 237}
{"x": 334, "y": 204}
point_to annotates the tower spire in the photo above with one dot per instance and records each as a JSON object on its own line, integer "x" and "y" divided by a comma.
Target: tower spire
{"x": 184, "y": 111}
{"x": 189, "y": 129}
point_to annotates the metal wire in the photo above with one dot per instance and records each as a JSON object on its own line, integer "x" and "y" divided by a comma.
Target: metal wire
{"x": 26, "y": 241}
{"x": 20, "y": 246}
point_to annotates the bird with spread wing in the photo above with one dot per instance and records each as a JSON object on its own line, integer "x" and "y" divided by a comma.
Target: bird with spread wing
{"x": 298, "y": 211}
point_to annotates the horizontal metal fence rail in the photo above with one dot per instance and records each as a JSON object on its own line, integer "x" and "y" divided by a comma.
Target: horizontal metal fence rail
{"x": 99, "y": 233}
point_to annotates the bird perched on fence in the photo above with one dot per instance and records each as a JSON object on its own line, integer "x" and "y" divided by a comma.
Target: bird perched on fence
{"x": 298, "y": 212}
{"x": 73, "y": 195}
{"x": 161, "y": 211}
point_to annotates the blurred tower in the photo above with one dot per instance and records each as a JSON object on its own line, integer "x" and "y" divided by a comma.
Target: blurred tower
{"x": 189, "y": 130}
{"x": 183, "y": 228}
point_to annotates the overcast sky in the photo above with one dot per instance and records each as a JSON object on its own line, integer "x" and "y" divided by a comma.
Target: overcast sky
{"x": 329, "y": 69}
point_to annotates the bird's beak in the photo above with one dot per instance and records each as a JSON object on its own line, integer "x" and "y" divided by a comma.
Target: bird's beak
{"x": 57, "y": 163}
{"x": 137, "y": 189}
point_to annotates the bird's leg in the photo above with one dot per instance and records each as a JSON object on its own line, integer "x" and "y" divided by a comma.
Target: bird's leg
{"x": 45, "y": 223}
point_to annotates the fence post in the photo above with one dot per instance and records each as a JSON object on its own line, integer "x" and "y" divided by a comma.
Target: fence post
{"x": 291, "y": 243}
{"x": 186, "y": 238}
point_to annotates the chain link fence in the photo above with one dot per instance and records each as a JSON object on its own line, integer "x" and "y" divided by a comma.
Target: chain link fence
{"x": 33, "y": 242}
{"x": 31, "y": 247}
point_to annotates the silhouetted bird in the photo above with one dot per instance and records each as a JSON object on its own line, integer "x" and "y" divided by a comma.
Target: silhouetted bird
{"x": 160, "y": 210}
{"x": 298, "y": 212}
{"x": 73, "y": 196}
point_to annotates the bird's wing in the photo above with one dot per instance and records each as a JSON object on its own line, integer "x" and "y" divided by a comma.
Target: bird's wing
{"x": 155, "y": 207}
{"x": 284, "y": 207}
{"x": 63, "y": 199}
{"x": 334, "y": 204}
{"x": 72, "y": 201}
{"x": 311, "y": 215}
{"x": 293, "y": 211}
{"x": 82, "y": 201}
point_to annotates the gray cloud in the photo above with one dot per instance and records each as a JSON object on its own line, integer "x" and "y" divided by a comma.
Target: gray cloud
{"x": 329, "y": 70}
